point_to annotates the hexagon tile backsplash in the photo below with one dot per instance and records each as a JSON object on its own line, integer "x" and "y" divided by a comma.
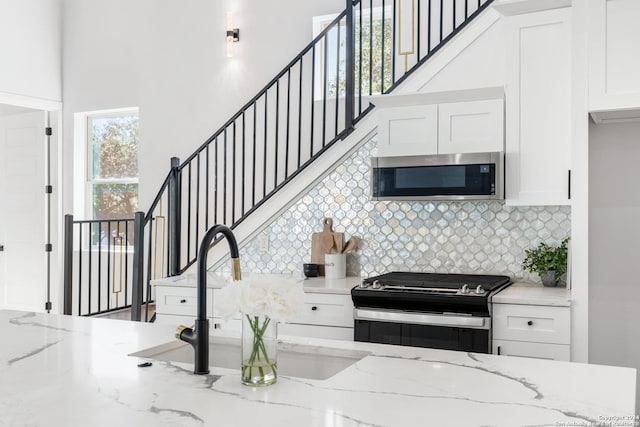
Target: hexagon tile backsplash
{"x": 448, "y": 237}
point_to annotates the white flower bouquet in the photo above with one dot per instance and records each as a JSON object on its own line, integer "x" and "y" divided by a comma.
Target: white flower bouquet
{"x": 263, "y": 301}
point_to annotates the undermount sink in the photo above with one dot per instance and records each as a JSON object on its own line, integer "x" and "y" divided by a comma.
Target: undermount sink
{"x": 294, "y": 360}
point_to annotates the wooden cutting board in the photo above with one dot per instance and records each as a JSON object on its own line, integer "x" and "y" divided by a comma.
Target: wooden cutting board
{"x": 318, "y": 243}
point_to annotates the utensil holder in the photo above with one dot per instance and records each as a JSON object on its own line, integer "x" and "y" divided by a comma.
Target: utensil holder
{"x": 335, "y": 266}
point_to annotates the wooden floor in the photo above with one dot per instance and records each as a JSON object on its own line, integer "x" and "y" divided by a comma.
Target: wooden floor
{"x": 126, "y": 313}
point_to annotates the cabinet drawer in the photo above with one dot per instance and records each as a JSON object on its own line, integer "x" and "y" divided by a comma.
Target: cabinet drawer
{"x": 327, "y": 310}
{"x": 233, "y": 324}
{"x": 532, "y": 349}
{"x": 180, "y": 301}
{"x": 534, "y": 323}
{"x": 315, "y": 331}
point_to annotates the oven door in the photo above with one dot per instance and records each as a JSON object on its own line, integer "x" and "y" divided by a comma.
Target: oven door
{"x": 446, "y": 331}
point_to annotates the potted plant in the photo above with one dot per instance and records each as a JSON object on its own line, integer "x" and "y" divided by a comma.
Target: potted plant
{"x": 549, "y": 262}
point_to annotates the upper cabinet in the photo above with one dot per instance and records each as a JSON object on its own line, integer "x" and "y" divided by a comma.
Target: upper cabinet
{"x": 472, "y": 126}
{"x": 538, "y": 113}
{"x": 441, "y": 123}
{"x": 614, "y": 63}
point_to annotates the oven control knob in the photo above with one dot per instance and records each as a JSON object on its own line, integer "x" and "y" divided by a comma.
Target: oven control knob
{"x": 363, "y": 285}
{"x": 464, "y": 289}
{"x": 376, "y": 285}
{"x": 480, "y": 290}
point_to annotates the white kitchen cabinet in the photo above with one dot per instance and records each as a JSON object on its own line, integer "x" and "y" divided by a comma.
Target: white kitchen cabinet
{"x": 532, "y": 331}
{"x": 538, "y": 108}
{"x": 325, "y": 315}
{"x": 408, "y": 130}
{"x": 614, "y": 65}
{"x": 465, "y": 121}
{"x": 471, "y": 127}
{"x": 178, "y": 304}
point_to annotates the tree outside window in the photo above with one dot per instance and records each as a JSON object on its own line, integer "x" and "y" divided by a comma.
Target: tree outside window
{"x": 112, "y": 169}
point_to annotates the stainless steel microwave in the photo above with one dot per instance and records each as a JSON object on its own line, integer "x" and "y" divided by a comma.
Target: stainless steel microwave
{"x": 466, "y": 176}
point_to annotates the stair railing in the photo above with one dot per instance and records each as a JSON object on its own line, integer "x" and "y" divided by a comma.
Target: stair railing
{"x": 313, "y": 103}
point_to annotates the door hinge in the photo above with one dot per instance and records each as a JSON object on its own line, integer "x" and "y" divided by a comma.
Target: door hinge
{"x": 48, "y": 247}
{"x": 48, "y": 131}
{"x": 47, "y": 305}
{"x": 48, "y": 189}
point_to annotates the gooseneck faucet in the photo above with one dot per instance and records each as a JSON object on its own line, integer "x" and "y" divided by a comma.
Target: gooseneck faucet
{"x": 198, "y": 337}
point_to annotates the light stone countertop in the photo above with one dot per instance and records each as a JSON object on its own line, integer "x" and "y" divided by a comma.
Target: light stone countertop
{"x": 75, "y": 371}
{"x": 312, "y": 285}
{"x": 534, "y": 294}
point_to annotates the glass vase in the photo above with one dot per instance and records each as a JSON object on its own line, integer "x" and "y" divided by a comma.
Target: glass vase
{"x": 259, "y": 351}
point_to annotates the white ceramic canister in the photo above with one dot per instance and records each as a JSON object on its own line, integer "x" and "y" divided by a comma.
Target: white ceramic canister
{"x": 335, "y": 266}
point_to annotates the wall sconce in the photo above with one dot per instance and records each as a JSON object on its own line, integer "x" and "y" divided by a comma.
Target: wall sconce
{"x": 233, "y": 35}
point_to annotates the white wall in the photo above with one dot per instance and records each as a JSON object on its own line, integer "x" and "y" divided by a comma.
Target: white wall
{"x": 30, "y": 51}
{"x": 168, "y": 58}
{"x": 614, "y": 244}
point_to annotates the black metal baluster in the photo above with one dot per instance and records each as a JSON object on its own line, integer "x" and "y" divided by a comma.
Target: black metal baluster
{"x": 337, "y": 78}
{"x": 233, "y": 176}
{"x": 264, "y": 165}
{"x": 370, "y": 47}
{"x": 360, "y": 60}
{"x": 80, "y": 270}
{"x": 253, "y": 186}
{"x": 466, "y": 9}
{"x": 275, "y": 172}
{"x": 313, "y": 101}
{"x": 300, "y": 113}
{"x": 324, "y": 97}
{"x": 99, "y": 266}
{"x": 418, "y": 32}
{"x": 224, "y": 177}
{"x": 429, "y": 27}
{"x": 89, "y": 267}
{"x": 215, "y": 181}
{"x": 126, "y": 263}
{"x": 441, "y": 19}
{"x": 393, "y": 44}
{"x": 206, "y": 190}
{"x": 453, "y": 27}
{"x": 109, "y": 278}
{"x": 244, "y": 149}
{"x": 197, "y": 198}
{"x": 384, "y": 25}
{"x": 189, "y": 215}
{"x": 286, "y": 150}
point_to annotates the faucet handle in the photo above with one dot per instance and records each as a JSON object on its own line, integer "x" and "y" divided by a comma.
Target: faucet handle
{"x": 179, "y": 330}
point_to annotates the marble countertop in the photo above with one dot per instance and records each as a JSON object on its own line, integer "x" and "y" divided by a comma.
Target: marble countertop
{"x": 71, "y": 371}
{"x": 534, "y": 294}
{"x": 313, "y": 284}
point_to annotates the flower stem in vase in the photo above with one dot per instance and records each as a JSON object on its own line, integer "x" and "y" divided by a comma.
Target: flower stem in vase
{"x": 259, "y": 352}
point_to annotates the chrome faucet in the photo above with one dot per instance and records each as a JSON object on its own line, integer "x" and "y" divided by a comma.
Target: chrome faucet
{"x": 198, "y": 337}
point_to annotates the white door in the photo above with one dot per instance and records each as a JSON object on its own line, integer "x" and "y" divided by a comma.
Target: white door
{"x": 22, "y": 212}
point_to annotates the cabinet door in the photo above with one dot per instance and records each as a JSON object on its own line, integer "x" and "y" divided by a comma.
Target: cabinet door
{"x": 538, "y": 112}
{"x": 471, "y": 127}
{"x": 532, "y": 349}
{"x": 406, "y": 131}
{"x": 614, "y": 65}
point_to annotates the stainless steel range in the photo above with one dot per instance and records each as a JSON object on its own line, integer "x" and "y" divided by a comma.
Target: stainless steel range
{"x": 445, "y": 311}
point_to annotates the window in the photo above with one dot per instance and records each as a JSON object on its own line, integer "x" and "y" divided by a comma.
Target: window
{"x": 376, "y": 56}
{"x": 112, "y": 164}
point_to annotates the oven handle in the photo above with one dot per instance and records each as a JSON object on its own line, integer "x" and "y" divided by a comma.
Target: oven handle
{"x": 423, "y": 319}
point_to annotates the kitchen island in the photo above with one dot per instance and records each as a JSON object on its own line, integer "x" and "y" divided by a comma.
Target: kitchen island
{"x": 72, "y": 371}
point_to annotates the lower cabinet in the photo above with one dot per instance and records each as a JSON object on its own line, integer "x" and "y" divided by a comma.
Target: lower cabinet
{"x": 324, "y": 316}
{"x": 532, "y": 331}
